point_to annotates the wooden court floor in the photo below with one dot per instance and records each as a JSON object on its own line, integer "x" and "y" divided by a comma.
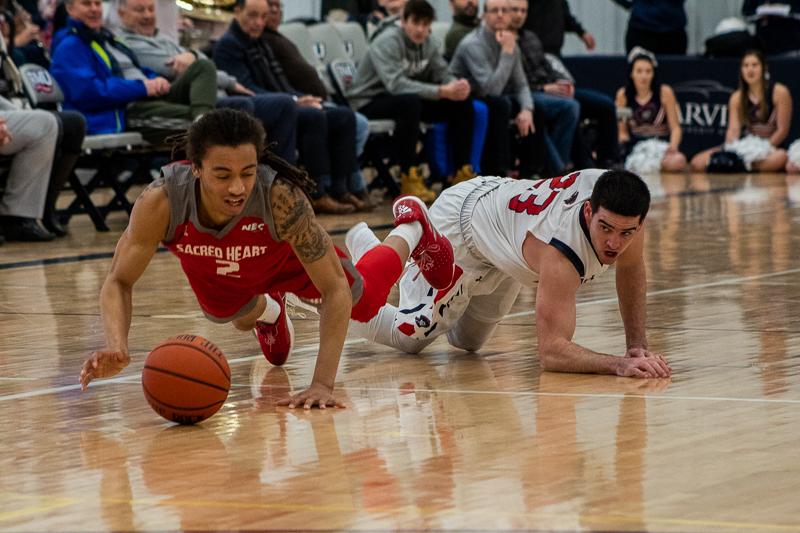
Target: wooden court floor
{"x": 446, "y": 440}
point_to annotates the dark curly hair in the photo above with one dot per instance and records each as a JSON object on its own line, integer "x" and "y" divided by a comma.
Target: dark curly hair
{"x": 230, "y": 127}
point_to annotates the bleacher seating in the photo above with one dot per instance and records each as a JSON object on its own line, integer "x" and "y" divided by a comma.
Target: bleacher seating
{"x": 298, "y": 33}
{"x": 338, "y": 71}
{"x": 105, "y": 156}
{"x": 354, "y": 40}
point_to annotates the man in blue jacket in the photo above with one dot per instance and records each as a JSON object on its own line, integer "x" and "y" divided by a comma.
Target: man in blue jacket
{"x": 102, "y": 79}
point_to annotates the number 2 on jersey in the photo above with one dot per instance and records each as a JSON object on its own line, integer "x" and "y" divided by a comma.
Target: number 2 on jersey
{"x": 529, "y": 205}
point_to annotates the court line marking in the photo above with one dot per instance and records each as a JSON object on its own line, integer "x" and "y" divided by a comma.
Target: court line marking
{"x": 614, "y": 395}
{"x": 55, "y": 503}
{"x": 731, "y": 281}
{"x": 130, "y": 379}
{"x": 611, "y": 518}
{"x": 348, "y": 342}
{"x": 108, "y": 255}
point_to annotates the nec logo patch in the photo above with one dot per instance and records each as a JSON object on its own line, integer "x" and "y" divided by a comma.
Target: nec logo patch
{"x": 255, "y": 226}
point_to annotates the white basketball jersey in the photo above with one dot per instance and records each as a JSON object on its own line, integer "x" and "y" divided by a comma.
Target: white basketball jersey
{"x": 550, "y": 210}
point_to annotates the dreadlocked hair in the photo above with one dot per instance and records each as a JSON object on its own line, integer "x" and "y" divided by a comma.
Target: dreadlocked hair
{"x": 230, "y": 127}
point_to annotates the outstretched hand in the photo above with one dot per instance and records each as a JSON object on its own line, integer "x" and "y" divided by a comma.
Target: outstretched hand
{"x": 316, "y": 394}
{"x": 103, "y": 364}
{"x": 642, "y": 363}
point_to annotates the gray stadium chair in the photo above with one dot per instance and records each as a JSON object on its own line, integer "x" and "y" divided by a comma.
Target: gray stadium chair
{"x": 298, "y": 33}
{"x": 102, "y": 154}
{"x": 354, "y": 39}
{"x": 310, "y": 40}
{"x": 376, "y": 153}
{"x": 327, "y": 43}
{"x": 343, "y": 72}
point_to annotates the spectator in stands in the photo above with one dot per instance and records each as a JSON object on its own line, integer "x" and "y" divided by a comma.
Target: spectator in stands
{"x": 777, "y": 24}
{"x": 102, "y": 79}
{"x": 25, "y": 22}
{"x": 758, "y": 108}
{"x": 163, "y": 55}
{"x": 303, "y": 77}
{"x": 465, "y": 19}
{"x": 326, "y": 134}
{"x": 357, "y": 10}
{"x": 656, "y": 25}
{"x": 552, "y": 95}
{"x": 29, "y": 136}
{"x": 653, "y": 111}
{"x": 405, "y": 78}
{"x": 550, "y": 19}
{"x": 389, "y": 14}
{"x": 69, "y": 143}
{"x": 490, "y": 59}
{"x": 594, "y": 106}
{"x": 168, "y": 18}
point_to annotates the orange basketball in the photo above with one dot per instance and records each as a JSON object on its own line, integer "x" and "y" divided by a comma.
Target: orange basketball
{"x": 186, "y": 379}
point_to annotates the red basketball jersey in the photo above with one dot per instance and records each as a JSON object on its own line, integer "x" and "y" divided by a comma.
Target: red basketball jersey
{"x": 227, "y": 268}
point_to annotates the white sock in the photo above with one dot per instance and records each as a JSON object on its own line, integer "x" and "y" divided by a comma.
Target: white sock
{"x": 272, "y": 312}
{"x": 410, "y": 232}
{"x": 359, "y": 240}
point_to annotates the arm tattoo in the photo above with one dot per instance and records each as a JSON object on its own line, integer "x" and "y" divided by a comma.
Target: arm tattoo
{"x": 296, "y": 224}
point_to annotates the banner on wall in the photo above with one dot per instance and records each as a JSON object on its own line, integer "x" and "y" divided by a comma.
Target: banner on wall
{"x": 702, "y": 87}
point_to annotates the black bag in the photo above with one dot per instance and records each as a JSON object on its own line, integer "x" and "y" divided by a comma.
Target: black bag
{"x": 731, "y": 44}
{"x": 726, "y": 162}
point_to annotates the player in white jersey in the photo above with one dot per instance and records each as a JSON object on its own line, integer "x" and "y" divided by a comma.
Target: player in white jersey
{"x": 555, "y": 234}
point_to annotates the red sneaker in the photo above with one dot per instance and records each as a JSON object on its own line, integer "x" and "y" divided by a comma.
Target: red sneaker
{"x": 276, "y": 339}
{"x": 434, "y": 253}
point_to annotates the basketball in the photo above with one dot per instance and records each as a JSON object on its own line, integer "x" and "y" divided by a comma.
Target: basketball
{"x": 186, "y": 379}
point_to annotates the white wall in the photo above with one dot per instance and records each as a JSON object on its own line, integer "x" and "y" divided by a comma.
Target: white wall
{"x": 301, "y": 9}
{"x": 608, "y": 22}
{"x": 605, "y": 19}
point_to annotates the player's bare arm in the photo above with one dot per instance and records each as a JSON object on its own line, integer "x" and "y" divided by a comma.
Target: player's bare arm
{"x": 135, "y": 249}
{"x": 632, "y": 293}
{"x": 556, "y": 317}
{"x": 295, "y": 223}
{"x": 555, "y": 325}
{"x": 631, "y": 278}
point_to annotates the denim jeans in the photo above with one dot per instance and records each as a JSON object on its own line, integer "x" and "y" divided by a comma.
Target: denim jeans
{"x": 562, "y": 116}
{"x": 356, "y": 183}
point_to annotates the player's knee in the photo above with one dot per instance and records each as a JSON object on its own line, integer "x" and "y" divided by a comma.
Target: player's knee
{"x": 413, "y": 348}
{"x": 369, "y": 304}
{"x": 379, "y": 267}
{"x": 469, "y": 344}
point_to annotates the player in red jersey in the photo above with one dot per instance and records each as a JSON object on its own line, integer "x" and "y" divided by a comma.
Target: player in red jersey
{"x": 242, "y": 230}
